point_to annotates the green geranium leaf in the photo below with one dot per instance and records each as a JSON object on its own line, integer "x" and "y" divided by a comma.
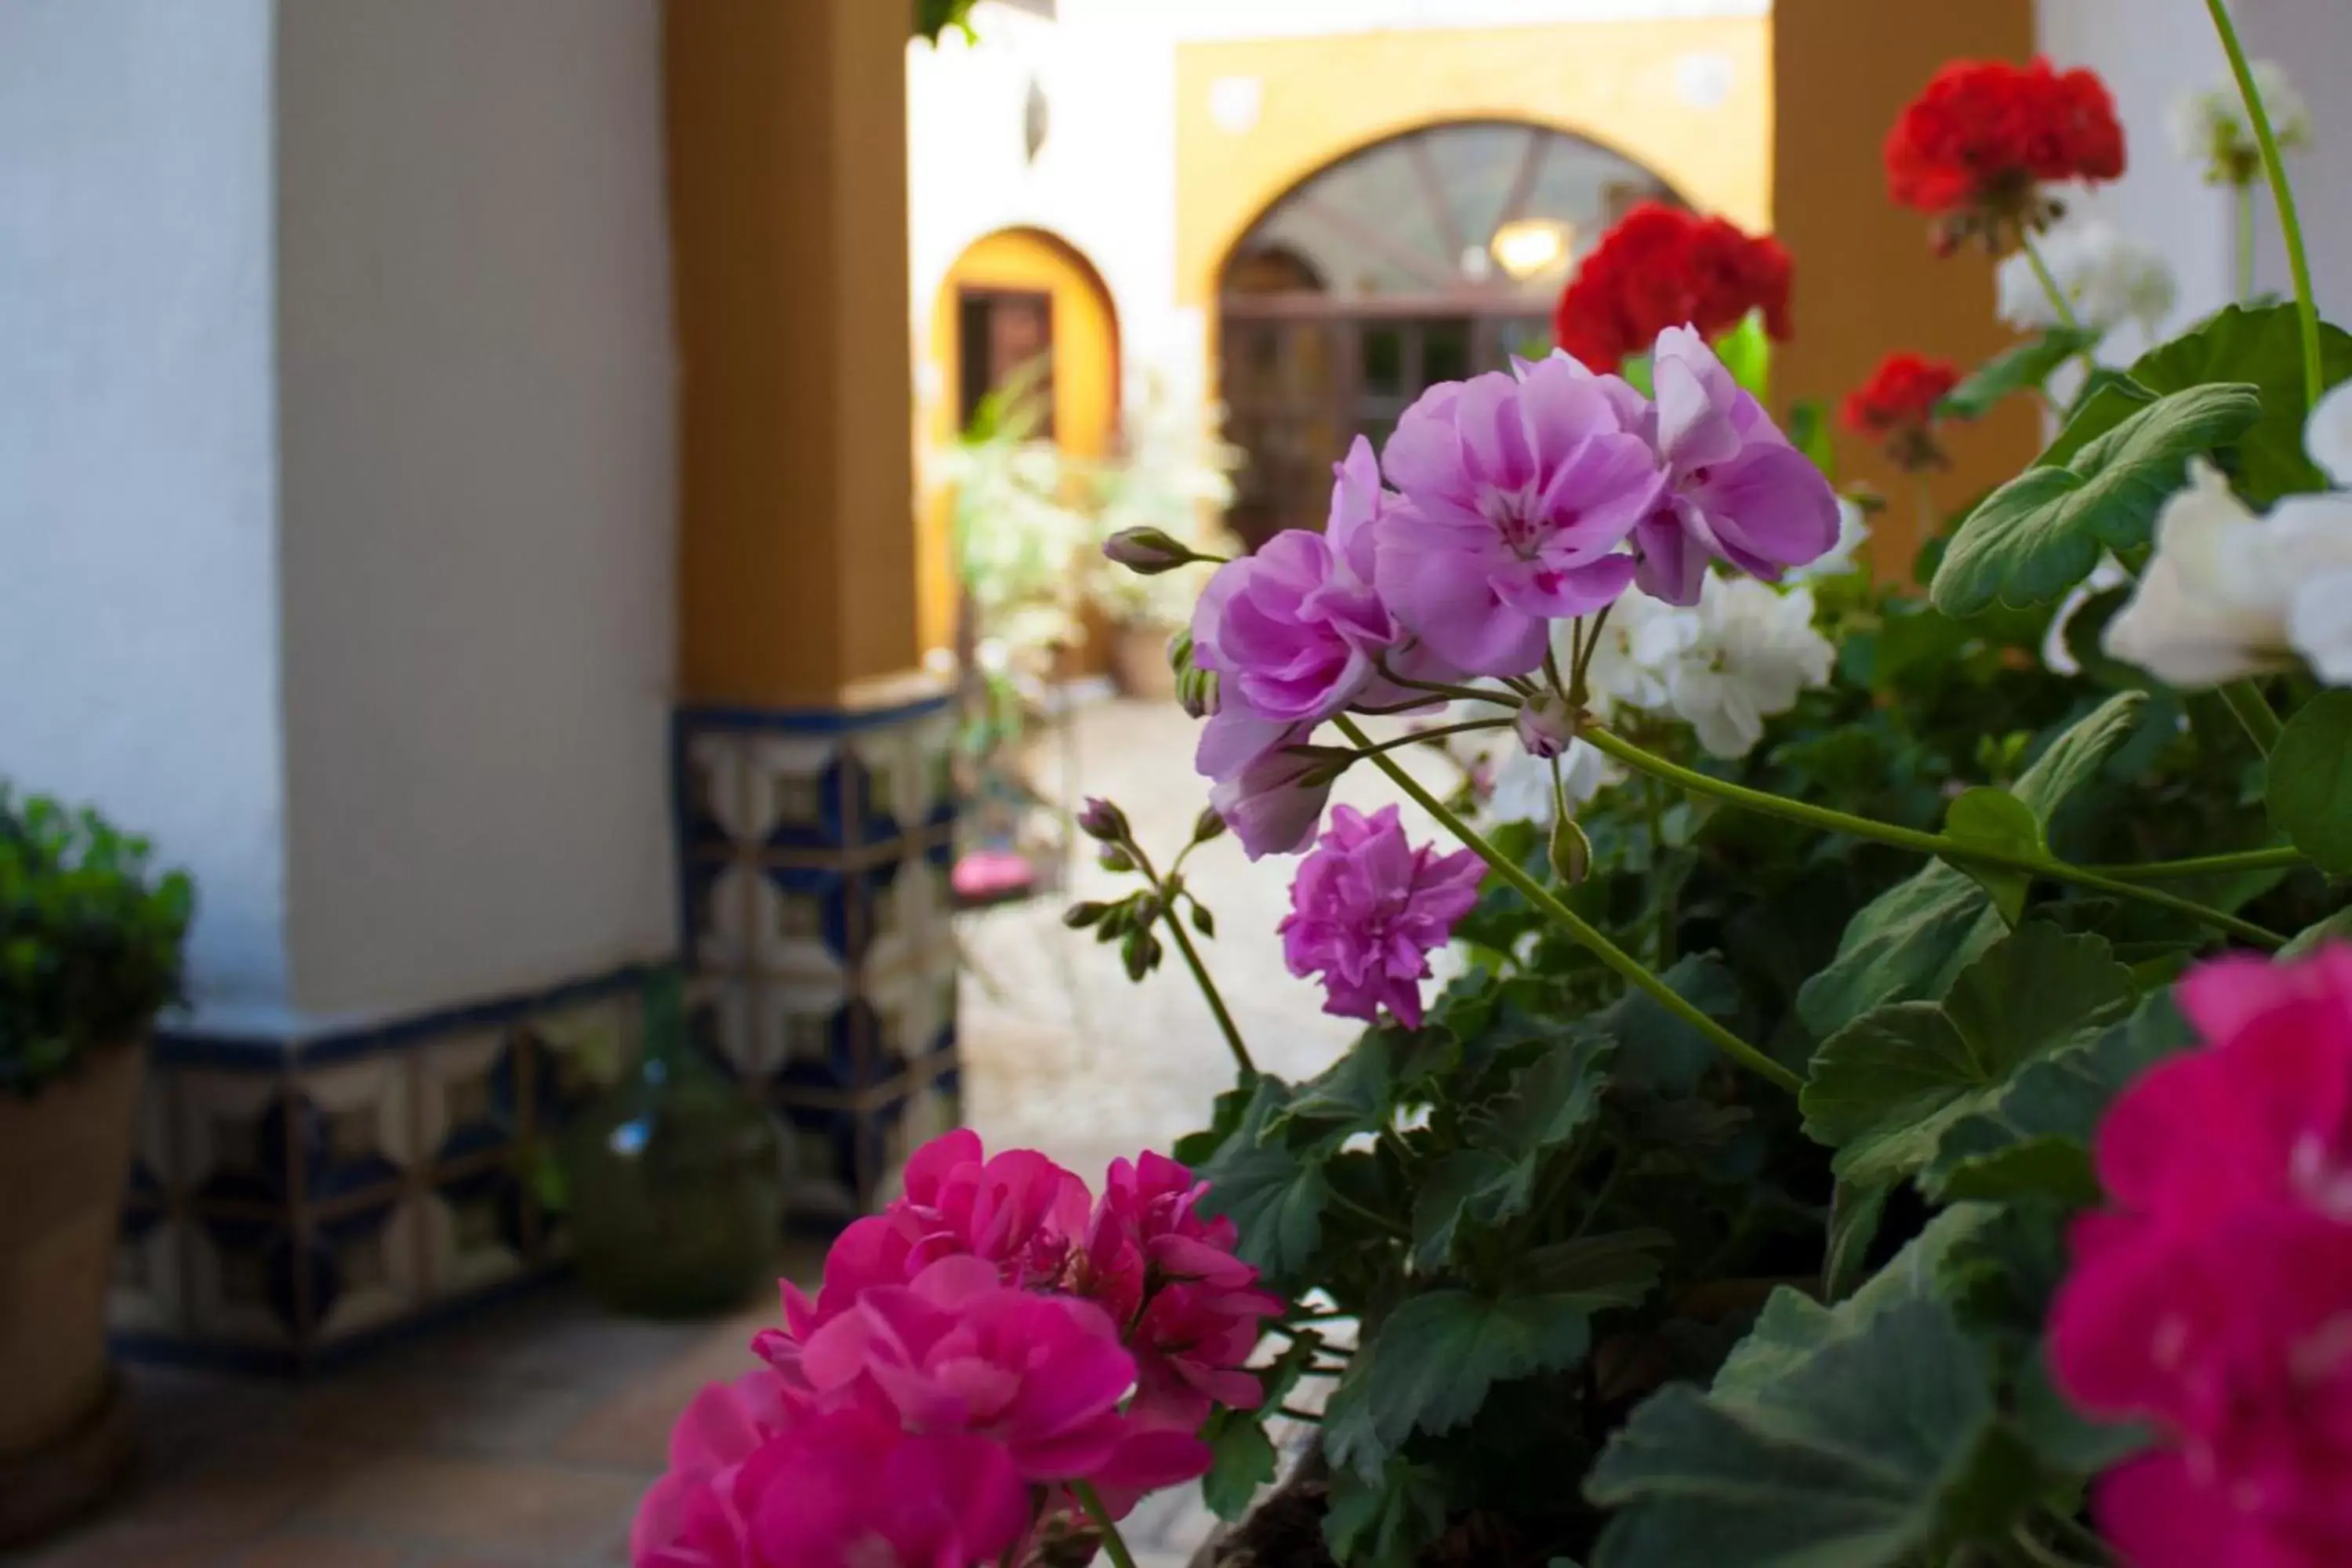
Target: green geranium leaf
{"x": 1443, "y": 1198}
{"x": 2034, "y": 1135}
{"x": 1658, "y": 1049}
{"x": 2311, "y": 782}
{"x": 1551, "y": 1102}
{"x": 1274, "y": 1194}
{"x": 1384, "y": 1522}
{"x": 1995, "y": 819}
{"x": 1912, "y": 939}
{"x": 1618, "y": 1269}
{"x": 1430, "y": 1366}
{"x": 2337, "y": 927}
{"x": 1242, "y": 1459}
{"x": 1855, "y": 1452}
{"x": 2040, "y": 534}
{"x": 1746, "y": 352}
{"x": 2264, "y": 345}
{"x": 2106, "y": 401}
{"x": 1855, "y": 1211}
{"x": 2020, "y": 369}
{"x": 1885, "y": 1089}
{"x": 1225, "y": 1117}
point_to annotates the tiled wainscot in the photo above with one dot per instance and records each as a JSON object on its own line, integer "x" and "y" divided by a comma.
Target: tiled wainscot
{"x": 813, "y": 857}
{"x": 294, "y": 1196}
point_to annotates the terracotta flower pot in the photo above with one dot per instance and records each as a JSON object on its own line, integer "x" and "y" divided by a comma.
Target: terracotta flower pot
{"x": 1139, "y": 663}
{"x": 65, "y": 1158}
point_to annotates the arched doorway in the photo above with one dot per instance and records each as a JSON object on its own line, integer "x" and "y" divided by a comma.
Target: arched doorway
{"x": 1428, "y": 256}
{"x": 1012, "y": 297}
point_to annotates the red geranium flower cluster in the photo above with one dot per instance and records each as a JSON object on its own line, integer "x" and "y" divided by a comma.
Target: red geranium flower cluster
{"x": 1663, "y": 267}
{"x": 992, "y": 1343}
{"x": 1900, "y": 404}
{"x": 1976, "y": 147}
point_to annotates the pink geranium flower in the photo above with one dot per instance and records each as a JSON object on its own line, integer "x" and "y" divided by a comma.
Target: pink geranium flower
{"x": 852, "y": 1489}
{"x": 1154, "y": 1261}
{"x": 1736, "y": 489}
{"x": 689, "y": 1518}
{"x": 2213, "y": 1300}
{"x": 1300, "y": 635}
{"x": 1019, "y": 1212}
{"x": 1518, "y": 492}
{"x": 1367, "y": 910}
{"x": 1042, "y": 1376}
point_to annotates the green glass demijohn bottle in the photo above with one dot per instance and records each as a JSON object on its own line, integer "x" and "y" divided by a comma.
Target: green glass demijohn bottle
{"x": 675, "y": 1179}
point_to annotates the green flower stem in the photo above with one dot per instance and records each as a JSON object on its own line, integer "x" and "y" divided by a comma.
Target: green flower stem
{"x": 2298, "y": 258}
{"x": 1935, "y": 844}
{"x": 1091, "y": 1501}
{"x": 1175, "y": 918}
{"x": 2205, "y": 866}
{"x": 1631, "y": 969}
{"x": 2252, "y": 712}
{"x": 1209, "y": 990}
{"x": 1419, "y": 736}
{"x": 1378, "y": 1221}
{"x": 2058, "y": 301}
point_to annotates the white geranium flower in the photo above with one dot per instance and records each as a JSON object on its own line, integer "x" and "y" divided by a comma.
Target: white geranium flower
{"x": 2327, "y": 435}
{"x": 2228, "y": 594}
{"x": 2108, "y": 278}
{"x": 1754, "y": 653}
{"x": 2108, "y": 574}
{"x": 1643, "y": 641}
{"x": 2212, "y": 129}
{"x": 1523, "y": 782}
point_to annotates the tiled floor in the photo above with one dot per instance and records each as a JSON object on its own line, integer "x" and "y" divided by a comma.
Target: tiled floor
{"x": 526, "y": 1434}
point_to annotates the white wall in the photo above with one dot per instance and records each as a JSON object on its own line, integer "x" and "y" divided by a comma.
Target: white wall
{"x": 477, "y": 493}
{"x": 2313, "y": 39}
{"x": 138, "y": 575}
{"x": 1105, "y": 180}
{"x": 2150, "y": 54}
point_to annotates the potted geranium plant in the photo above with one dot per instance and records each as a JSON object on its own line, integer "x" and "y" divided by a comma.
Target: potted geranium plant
{"x": 1896, "y": 1111}
{"x": 89, "y": 950}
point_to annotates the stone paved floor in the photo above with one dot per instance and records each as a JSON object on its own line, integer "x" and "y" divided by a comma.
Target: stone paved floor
{"x": 525, "y": 1435}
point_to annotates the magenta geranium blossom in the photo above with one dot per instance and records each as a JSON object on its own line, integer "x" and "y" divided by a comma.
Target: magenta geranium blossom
{"x": 1271, "y": 797}
{"x": 989, "y": 1342}
{"x": 2213, "y": 1300}
{"x": 1736, "y": 489}
{"x": 1518, "y": 492}
{"x": 1367, "y": 910}
{"x": 851, "y": 1488}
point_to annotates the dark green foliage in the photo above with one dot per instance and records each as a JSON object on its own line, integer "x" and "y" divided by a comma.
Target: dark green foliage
{"x": 90, "y": 939}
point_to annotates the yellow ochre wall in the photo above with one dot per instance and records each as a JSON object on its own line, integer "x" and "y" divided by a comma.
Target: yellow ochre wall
{"x": 787, "y": 130}
{"x": 1867, "y": 281}
{"x": 1086, "y": 382}
{"x": 1323, "y": 97}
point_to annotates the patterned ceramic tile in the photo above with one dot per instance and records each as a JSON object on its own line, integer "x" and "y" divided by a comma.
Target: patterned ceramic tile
{"x": 466, "y": 1095}
{"x": 225, "y": 1150}
{"x": 795, "y": 1029}
{"x": 243, "y": 1284}
{"x": 370, "y": 1269}
{"x": 356, "y": 1133}
{"x": 475, "y": 1232}
{"x": 724, "y": 914}
{"x": 718, "y": 804}
{"x": 791, "y": 784}
{"x": 806, "y": 922}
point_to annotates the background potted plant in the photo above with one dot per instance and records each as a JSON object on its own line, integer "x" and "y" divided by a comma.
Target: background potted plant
{"x": 89, "y": 950}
